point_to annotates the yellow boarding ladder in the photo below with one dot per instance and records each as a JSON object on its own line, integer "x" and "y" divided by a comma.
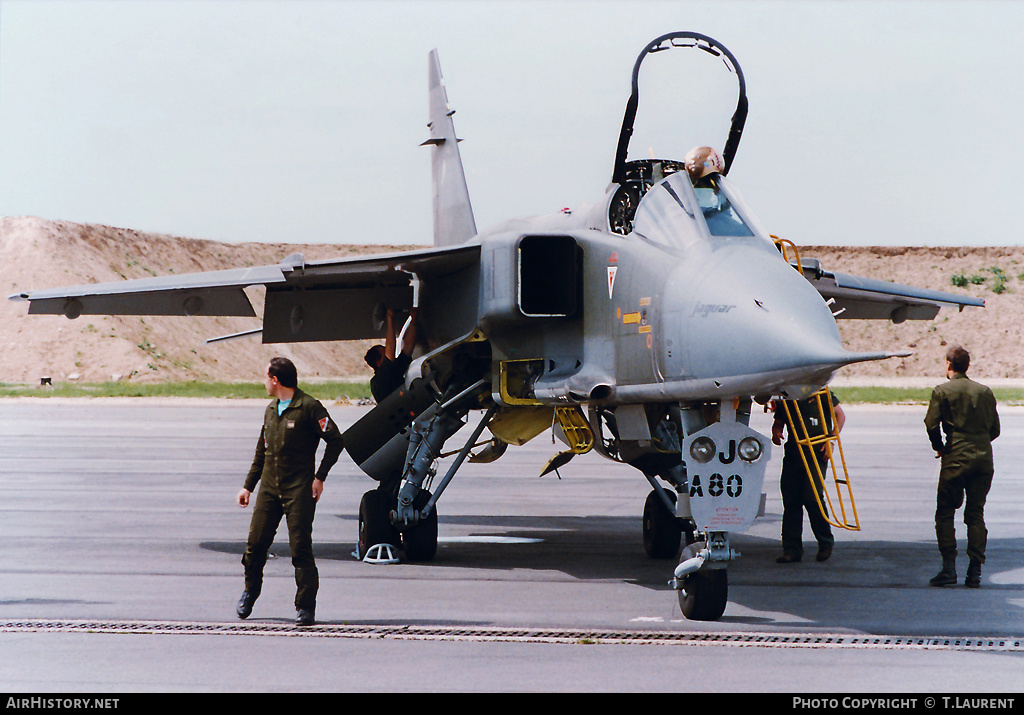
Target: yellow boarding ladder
{"x": 840, "y": 492}
{"x": 806, "y": 443}
{"x": 575, "y": 428}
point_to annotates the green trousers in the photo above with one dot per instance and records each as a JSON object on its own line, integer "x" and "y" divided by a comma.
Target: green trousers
{"x": 298, "y": 507}
{"x": 963, "y": 479}
{"x": 797, "y": 496}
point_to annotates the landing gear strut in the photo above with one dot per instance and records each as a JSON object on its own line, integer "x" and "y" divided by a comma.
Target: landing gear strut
{"x": 420, "y": 542}
{"x": 405, "y": 511}
{"x": 703, "y": 592}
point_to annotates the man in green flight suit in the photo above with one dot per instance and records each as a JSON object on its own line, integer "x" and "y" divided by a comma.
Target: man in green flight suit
{"x": 966, "y": 412}
{"x": 293, "y": 426}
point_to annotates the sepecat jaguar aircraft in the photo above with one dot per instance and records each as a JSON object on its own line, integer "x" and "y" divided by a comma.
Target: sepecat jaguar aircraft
{"x": 643, "y": 327}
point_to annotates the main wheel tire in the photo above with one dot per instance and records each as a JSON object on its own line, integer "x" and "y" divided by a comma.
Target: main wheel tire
{"x": 420, "y": 542}
{"x": 662, "y": 530}
{"x": 704, "y": 595}
{"x": 374, "y": 523}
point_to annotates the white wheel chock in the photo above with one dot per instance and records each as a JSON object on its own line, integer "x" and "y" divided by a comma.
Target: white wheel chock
{"x": 381, "y": 554}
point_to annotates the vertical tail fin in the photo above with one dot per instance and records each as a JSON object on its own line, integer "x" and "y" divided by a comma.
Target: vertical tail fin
{"x": 453, "y": 214}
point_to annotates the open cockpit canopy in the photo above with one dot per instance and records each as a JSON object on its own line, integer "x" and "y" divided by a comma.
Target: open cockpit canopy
{"x": 685, "y": 105}
{"x": 676, "y": 214}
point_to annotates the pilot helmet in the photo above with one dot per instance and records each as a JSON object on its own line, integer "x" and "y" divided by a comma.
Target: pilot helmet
{"x": 703, "y": 160}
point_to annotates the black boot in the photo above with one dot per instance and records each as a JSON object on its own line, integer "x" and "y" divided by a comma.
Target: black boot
{"x": 244, "y": 607}
{"x": 973, "y": 579}
{"x": 947, "y": 576}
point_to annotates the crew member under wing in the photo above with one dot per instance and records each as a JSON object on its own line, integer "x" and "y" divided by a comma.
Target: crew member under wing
{"x": 642, "y": 327}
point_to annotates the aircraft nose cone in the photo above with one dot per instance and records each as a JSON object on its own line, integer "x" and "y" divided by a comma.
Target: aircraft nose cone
{"x": 746, "y": 312}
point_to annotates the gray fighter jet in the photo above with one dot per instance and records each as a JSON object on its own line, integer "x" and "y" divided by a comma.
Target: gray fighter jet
{"x": 642, "y": 327}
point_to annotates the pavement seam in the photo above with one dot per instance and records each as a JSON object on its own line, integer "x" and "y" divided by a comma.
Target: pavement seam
{"x": 528, "y": 635}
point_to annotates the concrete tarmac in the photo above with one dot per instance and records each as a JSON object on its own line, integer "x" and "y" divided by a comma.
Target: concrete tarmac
{"x": 121, "y": 541}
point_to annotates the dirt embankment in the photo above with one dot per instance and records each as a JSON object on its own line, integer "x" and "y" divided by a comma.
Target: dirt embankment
{"x": 994, "y": 335}
{"x": 42, "y": 254}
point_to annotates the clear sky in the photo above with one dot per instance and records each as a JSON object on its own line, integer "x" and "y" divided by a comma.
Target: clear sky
{"x": 288, "y": 120}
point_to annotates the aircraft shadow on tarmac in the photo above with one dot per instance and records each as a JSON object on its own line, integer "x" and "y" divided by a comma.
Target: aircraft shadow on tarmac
{"x": 883, "y": 581}
{"x": 593, "y": 547}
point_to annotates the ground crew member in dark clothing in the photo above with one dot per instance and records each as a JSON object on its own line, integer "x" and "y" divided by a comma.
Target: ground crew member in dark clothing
{"x": 797, "y": 490}
{"x": 965, "y": 411}
{"x": 284, "y": 465}
{"x": 389, "y": 369}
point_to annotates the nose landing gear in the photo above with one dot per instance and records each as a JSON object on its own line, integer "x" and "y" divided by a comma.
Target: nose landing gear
{"x": 704, "y": 594}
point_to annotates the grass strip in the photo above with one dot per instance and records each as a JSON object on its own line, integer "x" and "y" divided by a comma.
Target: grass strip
{"x": 327, "y": 390}
{"x": 914, "y": 395}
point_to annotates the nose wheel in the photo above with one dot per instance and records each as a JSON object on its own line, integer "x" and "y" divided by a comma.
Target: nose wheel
{"x": 704, "y": 595}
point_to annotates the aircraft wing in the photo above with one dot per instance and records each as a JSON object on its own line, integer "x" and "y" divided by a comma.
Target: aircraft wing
{"x": 868, "y": 298}
{"x": 324, "y": 300}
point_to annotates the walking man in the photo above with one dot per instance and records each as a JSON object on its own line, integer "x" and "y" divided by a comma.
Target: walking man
{"x": 965, "y": 412}
{"x": 293, "y": 426}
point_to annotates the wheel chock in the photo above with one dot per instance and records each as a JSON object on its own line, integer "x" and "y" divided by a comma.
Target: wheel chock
{"x": 381, "y": 554}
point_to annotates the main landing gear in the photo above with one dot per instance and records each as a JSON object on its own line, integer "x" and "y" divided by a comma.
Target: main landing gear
{"x": 401, "y": 511}
{"x": 419, "y": 542}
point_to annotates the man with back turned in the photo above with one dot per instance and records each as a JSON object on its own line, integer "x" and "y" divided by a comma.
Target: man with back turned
{"x": 389, "y": 367}
{"x": 965, "y": 412}
{"x": 293, "y": 426}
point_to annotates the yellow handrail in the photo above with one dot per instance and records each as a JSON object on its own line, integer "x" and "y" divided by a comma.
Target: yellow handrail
{"x": 785, "y": 245}
{"x": 807, "y": 445}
